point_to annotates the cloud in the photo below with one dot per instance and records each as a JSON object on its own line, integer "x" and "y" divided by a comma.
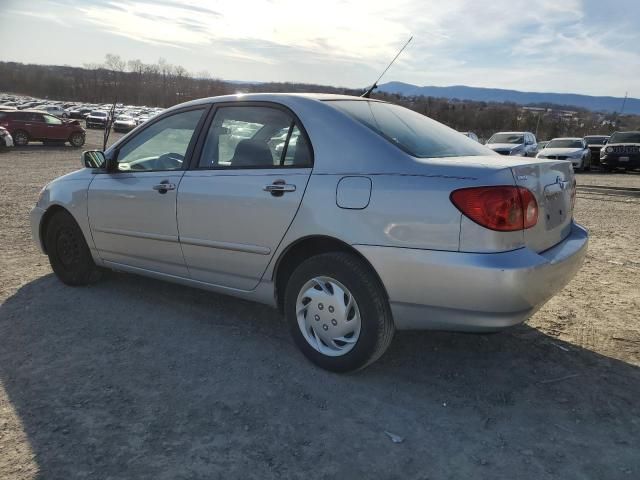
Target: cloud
{"x": 567, "y": 45}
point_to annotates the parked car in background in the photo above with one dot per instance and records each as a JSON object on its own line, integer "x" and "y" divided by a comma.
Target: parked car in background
{"x": 595, "y": 144}
{"x": 621, "y": 151}
{"x": 97, "y": 119}
{"x": 471, "y": 135}
{"x": 521, "y": 144}
{"x": 6, "y": 140}
{"x": 542, "y": 144}
{"x": 80, "y": 112}
{"x": 332, "y": 230}
{"x": 56, "y": 110}
{"x": 124, "y": 123}
{"x": 33, "y": 125}
{"x": 575, "y": 150}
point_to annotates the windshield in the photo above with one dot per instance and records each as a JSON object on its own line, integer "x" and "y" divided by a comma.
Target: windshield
{"x": 625, "y": 137}
{"x": 124, "y": 118}
{"x": 507, "y": 138}
{"x": 595, "y": 140}
{"x": 565, "y": 143}
{"x": 412, "y": 132}
{"x": 98, "y": 114}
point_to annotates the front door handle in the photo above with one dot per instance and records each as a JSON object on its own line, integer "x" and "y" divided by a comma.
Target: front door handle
{"x": 164, "y": 186}
{"x": 279, "y": 187}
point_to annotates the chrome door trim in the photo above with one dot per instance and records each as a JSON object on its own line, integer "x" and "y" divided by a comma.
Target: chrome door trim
{"x": 236, "y": 247}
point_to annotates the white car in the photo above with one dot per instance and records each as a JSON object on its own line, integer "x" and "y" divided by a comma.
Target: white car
{"x": 6, "y": 140}
{"x": 124, "y": 123}
{"x": 517, "y": 144}
{"x": 575, "y": 150}
{"x": 56, "y": 110}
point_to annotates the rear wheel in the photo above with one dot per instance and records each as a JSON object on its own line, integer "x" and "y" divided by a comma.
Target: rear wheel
{"x": 77, "y": 139}
{"x": 587, "y": 164}
{"x": 20, "y": 138}
{"x": 337, "y": 312}
{"x": 68, "y": 251}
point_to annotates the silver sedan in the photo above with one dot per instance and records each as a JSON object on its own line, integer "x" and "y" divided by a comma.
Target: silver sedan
{"x": 355, "y": 217}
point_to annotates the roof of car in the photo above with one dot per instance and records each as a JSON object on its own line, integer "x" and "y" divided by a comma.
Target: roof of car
{"x": 276, "y": 97}
{"x": 510, "y": 133}
{"x": 566, "y": 138}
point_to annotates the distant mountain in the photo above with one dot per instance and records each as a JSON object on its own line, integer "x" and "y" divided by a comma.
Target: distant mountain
{"x": 598, "y": 104}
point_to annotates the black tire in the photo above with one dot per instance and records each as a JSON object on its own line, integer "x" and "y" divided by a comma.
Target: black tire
{"x": 20, "y": 138}
{"x": 68, "y": 251}
{"x": 587, "y": 165}
{"x": 377, "y": 328}
{"x": 76, "y": 139}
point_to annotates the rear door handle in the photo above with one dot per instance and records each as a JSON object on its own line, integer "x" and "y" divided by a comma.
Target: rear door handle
{"x": 164, "y": 186}
{"x": 279, "y": 187}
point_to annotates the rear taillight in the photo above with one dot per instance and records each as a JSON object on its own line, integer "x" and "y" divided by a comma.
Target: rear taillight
{"x": 501, "y": 208}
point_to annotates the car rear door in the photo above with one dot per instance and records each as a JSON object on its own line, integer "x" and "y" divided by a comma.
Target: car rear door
{"x": 237, "y": 201}
{"x": 132, "y": 211}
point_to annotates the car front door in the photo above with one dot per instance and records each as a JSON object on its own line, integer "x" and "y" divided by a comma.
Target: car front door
{"x": 36, "y": 125}
{"x": 237, "y": 201}
{"x": 55, "y": 128}
{"x": 132, "y": 211}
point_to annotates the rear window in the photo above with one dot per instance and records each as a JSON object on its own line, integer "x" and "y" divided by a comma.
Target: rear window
{"x": 595, "y": 140}
{"x": 515, "y": 138}
{"x": 625, "y": 137}
{"x": 414, "y": 133}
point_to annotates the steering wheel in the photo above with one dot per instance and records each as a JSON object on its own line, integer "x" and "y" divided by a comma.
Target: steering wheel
{"x": 170, "y": 161}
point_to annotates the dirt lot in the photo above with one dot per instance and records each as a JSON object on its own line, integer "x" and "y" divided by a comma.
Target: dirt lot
{"x": 134, "y": 378}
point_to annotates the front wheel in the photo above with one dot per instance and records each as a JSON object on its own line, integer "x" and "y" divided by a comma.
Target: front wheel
{"x": 68, "y": 251}
{"x": 337, "y": 312}
{"x": 77, "y": 139}
{"x": 20, "y": 138}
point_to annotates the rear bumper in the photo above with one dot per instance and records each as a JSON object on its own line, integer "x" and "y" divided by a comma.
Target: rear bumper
{"x": 473, "y": 291}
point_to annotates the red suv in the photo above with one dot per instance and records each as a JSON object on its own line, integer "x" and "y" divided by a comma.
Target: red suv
{"x": 32, "y": 125}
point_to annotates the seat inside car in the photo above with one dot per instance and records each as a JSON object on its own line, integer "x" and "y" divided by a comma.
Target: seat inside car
{"x": 252, "y": 153}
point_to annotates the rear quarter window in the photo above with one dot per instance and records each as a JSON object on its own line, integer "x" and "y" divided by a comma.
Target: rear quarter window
{"x": 410, "y": 131}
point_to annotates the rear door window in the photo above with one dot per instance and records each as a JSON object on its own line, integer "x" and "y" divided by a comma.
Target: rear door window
{"x": 254, "y": 137}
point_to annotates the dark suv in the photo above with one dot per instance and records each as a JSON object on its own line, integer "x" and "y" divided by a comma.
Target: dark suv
{"x": 622, "y": 151}
{"x": 33, "y": 125}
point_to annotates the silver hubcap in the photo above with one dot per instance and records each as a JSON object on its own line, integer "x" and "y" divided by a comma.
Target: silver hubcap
{"x": 328, "y": 316}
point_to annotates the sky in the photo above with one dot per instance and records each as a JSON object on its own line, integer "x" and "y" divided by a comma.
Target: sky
{"x": 571, "y": 46}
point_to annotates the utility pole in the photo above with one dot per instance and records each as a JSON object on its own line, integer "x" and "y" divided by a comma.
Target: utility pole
{"x": 624, "y": 102}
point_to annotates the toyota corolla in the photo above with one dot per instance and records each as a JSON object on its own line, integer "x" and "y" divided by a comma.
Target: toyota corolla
{"x": 354, "y": 217}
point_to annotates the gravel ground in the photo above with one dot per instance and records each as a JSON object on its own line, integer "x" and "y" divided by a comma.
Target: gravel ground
{"x": 135, "y": 378}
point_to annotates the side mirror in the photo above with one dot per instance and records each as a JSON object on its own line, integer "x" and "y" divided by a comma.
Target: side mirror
{"x": 94, "y": 159}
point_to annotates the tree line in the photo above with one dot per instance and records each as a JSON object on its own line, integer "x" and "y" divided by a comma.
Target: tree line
{"x": 162, "y": 84}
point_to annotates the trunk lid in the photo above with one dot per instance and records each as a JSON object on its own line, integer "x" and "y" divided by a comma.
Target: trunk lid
{"x": 553, "y": 184}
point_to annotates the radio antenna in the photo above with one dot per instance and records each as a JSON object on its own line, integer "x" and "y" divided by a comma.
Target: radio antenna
{"x": 370, "y": 90}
